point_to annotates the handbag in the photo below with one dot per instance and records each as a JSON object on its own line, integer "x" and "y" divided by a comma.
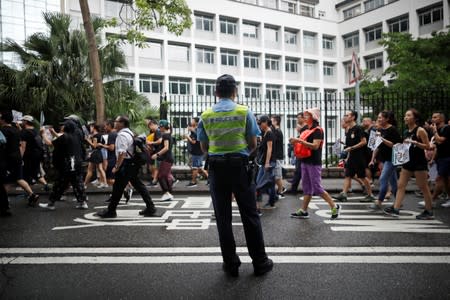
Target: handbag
{"x": 300, "y": 150}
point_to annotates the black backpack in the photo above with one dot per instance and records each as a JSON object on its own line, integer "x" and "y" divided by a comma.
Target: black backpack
{"x": 139, "y": 157}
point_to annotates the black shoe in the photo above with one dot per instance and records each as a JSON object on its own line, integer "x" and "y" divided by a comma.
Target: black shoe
{"x": 106, "y": 214}
{"x": 148, "y": 212}
{"x": 231, "y": 270}
{"x": 109, "y": 199}
{"x": 32, "y": 200}
{"x": 263, "y": 268}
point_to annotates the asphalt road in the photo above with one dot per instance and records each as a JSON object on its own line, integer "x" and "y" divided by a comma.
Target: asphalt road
{"x": 70, "y": 254}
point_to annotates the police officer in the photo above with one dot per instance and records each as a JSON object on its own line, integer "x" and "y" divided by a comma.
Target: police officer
{"x": 126, "y": 171}
{"x": 227, "y": 132}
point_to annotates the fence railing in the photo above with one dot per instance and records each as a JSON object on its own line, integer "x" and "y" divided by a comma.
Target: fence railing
{"x": 180, "y": 110}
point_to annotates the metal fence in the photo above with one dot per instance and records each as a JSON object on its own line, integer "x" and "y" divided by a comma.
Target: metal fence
{"x": 180, "y": 109}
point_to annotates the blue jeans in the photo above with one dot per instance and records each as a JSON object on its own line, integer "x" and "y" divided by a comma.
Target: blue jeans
{"x": 265, "y": 183}
{"x": 388, "y": 175}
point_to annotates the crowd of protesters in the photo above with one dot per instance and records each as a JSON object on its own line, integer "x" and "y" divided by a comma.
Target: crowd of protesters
{"x": 23, "y": 148}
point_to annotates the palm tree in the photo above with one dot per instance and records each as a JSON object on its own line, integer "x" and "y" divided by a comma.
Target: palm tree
{"x": 55, "y": 73}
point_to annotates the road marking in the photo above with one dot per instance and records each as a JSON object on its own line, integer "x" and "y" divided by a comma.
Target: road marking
{"x": 187, "y": 250}
{"x": 328, "y": 259}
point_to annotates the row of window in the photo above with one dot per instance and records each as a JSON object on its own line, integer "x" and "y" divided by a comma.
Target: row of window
{"x": 251, "y": 30}
{"x": 426, "y": 16}
{"x": 182, "y": 86}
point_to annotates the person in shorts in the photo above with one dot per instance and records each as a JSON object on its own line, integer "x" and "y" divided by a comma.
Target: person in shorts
{"x": 196, "y": 153}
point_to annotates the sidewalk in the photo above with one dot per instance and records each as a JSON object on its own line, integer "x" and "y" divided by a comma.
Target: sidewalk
{"x": 332, "y": 185}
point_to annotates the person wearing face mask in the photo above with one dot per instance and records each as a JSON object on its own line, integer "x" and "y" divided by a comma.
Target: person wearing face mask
{"x": 311, "y": 141}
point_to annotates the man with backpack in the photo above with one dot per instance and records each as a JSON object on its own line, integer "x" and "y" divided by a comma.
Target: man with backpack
{"x": 126, "y": 170}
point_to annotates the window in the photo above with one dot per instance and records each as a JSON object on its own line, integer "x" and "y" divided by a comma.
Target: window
{"x": 351, "y": 41}
{"x": 204, "y": 23}
{"x": 229, "y": 57}
{"x": 306, "y": 10}
{"x": 291, "y": 65}
{"x": 179, "y": 86}
{"x": 352, "y": 12}
{"x": 374, "y": 62}
{"x": 328, "y": 43}
{"x": 289, "y": 6}
{"x": 150, "y": 84}
{"x": 372, "y": 4}
{"x": 290, "y": 37}
{"x": 309, "y": 40}
{"x": 331, "y": 122}
{"x": 310, "y": 69}
{"x": 205, "y": 55}
{"x": 373, "y": 33}
{"x": 128, "y": 79}
{"x": 228, "y": 26}
{"x": 178, "y": 53}
{"x": 311, "y": 94}
{"x": 272, "y": 63}
{"x": 251, "y": 90}
{"x": 152, "y": 50}
{"x": 431, "y": 15}
{"x": 206, "y": 87}
{"x": 292, "y": 93}
{"x": 271, "y": 34}
{"x": 328, "y": 69}
{"x": 330, "y": 95}
{"x": 250, "y": 30}
{"x": 270, "y": 3}
{"x": 273, "y": 92}
{"x": 399, "y": 25}
{"x": 251, "y": 60}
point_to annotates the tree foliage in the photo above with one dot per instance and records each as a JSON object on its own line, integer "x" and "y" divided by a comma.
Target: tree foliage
{"x": 55, "y": 77}
{"x": 138, "y": 16}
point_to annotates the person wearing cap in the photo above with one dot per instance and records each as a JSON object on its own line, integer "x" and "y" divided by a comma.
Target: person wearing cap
{"x": 32, "y": 148}
{"x": 126, "y": 171}
{"x": 13, "y": 157}
{"x": 165, "y": 158}
{"x": 227, "y": 132}
{"x": 67, "y": 161}
{"x": 265, "y": 180}
{"x": 311, "y": 166}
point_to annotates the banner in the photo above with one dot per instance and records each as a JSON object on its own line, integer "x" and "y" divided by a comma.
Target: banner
{"x": 400, "y": 154}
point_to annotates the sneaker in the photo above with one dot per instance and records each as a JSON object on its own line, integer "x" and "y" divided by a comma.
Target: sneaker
{"x": 82, "y": 205}
{"x": 192, "y": 184}
{"x": 263, "y": 268}
{"x": 280, "y": 196}
{"x": 127, "y": 194}
{"x": 32, "y": 200}
{"x": 95, "y": 182}
{"x": 418, "y": 194}
{"x": 268, "y": 206}
{"x": 391, "y": 211}
{"x": 425, "y": 215}
{"x": 106, "y": 214}
{"x": 102, "y": 185}
{"x": 300, "y": 214}
{"x": 109, "y": 199}
{"x": 148, "y": 212}
{"x": 342, "y": 197}
{"x": 258, "y": 211}
{"x": 421, "y": 204}
{"x": 284, "y": 190}
{"x": 49, "y": 205}
{"x": 368, "y": 198}
{"x": 375, "y": 206}
{"x": 166, "y": 197}
{"x": 335, "y": 211}
{"x": 175, "y": 182}
{"x": 153, "y": 183}
{"x": 446, "y": 203}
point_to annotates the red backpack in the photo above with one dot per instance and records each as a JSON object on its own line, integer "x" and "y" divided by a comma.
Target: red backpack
{"x": 302, "y": 151}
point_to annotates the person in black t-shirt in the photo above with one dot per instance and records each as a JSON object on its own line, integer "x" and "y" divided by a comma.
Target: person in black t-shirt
{"x": 96, "y": 158}
{"x": 265, "y": 180}
{"x": 196, "y": 152}
{"x": 32, "y": 148}
{"x": 389, "y": 136}
{"x": 110, "y": 148}
{"x": 67, "y": 160}
{"x": 312, "y": 138}
{"x": 355, "y": 146}
{"x": 278, "y": 152}
{"x": 165, "y": 158}
{"x": 441, "y": 136}
{"x": 13, "y": 157}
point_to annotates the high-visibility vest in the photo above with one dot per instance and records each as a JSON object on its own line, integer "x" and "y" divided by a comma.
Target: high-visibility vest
{"x": 226, "y": 130}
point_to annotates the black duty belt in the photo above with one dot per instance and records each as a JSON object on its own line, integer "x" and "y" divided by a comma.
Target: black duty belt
{"x": 233, "y": 160}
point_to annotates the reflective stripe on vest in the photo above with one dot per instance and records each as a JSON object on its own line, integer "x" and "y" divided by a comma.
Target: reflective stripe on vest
{"x": 226, "y": 130}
